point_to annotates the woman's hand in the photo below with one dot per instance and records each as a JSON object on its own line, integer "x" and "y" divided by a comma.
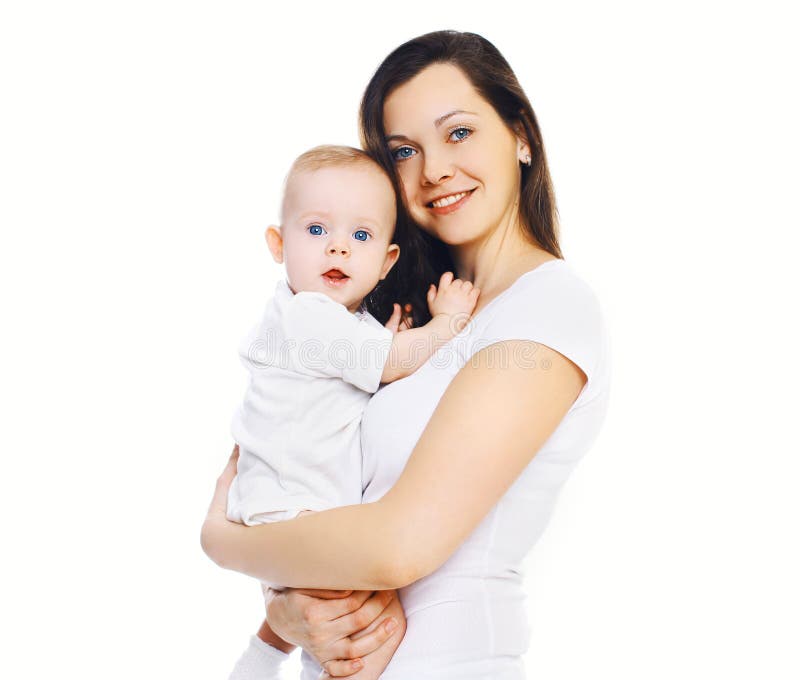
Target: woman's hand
{"x": 219, "y": 503}
{"x": 217, "y": 511}
{"x": 326, "y": 622}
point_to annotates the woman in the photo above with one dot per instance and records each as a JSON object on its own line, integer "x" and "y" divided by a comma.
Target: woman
{"x": 463, "y": 459}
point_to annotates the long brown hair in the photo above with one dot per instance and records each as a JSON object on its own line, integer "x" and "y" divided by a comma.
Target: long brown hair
{"x": 492, "y": 77}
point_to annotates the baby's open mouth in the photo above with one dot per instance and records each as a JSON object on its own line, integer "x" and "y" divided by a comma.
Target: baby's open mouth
{"x": 335, "y": 276}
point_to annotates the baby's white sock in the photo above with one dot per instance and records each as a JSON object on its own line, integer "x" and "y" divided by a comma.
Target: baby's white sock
{"x": 259, "y": 661}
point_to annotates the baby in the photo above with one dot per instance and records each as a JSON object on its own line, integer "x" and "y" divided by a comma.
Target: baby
{"x": 318, "y": 355}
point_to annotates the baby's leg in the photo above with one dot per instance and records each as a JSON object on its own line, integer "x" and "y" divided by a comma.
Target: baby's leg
{"x": 259, "y": 661}
{"x": 266, "y": 633}
{"x": 266, "y": 652}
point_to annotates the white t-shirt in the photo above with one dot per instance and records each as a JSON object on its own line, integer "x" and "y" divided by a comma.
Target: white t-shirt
{"x": 467, "y": 619}
{"x": 313, "y": 366}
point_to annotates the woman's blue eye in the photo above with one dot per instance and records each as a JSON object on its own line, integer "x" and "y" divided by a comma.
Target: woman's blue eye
{"x": 403, "y": 152}
{"x": 360, "y": 235}
{"x": 460, "y": 134}
{"x": 316, "y": 230}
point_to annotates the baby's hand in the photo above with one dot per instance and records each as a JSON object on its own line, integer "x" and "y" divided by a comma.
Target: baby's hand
{"x": 455, "y": 298}
{"x": 400, "y": 320}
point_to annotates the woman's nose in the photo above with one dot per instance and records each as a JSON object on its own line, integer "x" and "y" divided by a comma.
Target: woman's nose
{"x": 437, "y": 168}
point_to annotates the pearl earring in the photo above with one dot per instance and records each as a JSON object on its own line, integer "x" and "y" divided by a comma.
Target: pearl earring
{"x": 526, "y": 159}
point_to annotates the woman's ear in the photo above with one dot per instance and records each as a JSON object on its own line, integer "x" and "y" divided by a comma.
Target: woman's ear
{"x": 523, "y": 147}
{"x": 274, "y": 242}
{"x": 392, "y": 254}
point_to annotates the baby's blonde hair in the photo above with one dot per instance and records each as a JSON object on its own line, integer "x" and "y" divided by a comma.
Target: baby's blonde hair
{"x": 329, "y": 156}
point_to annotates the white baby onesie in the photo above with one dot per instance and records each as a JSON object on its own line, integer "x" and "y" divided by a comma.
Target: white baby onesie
{"x": 313, "y": 366}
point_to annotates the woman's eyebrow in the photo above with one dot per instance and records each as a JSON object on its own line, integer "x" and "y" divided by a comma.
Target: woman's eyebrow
{"x": 437, "y": 123}
{"x": 442, "y": 119}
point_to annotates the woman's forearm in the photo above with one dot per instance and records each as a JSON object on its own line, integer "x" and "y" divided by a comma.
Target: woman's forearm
{"x": 350, "y": 547}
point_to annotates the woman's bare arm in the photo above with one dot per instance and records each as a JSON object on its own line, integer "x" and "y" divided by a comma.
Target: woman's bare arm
{"x": 487, "y": 427}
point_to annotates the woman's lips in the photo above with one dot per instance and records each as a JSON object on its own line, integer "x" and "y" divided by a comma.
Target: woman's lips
{"x": 450, "y": 205}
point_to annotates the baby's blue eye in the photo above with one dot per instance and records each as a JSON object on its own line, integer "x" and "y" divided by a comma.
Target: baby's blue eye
{"x": 360, "y": 235}
{"x": 316, "y": 230}
{"x": 460, "y": 134}
{"x": 403, "y": 152}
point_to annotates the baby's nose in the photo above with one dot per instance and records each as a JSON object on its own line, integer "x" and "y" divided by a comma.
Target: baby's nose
{"x": 338, "y": 249}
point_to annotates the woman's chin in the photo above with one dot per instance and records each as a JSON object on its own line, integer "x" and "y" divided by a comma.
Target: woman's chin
{"x": 453, "y": 233}
{"x": 452, "y": 237}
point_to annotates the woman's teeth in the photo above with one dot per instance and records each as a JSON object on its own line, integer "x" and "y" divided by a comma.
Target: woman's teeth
{"x": 448, "y": 200}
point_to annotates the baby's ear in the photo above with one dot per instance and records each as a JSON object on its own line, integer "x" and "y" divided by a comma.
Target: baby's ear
{"x": 275, "y": 242}
{"x": 392, "y": 254}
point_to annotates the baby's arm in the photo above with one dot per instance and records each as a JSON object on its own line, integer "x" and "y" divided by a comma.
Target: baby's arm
{"x": 451, "y": 305}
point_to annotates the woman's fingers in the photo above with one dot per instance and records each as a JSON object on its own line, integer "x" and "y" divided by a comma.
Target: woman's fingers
{"x": 368, "y": 643}
{"x": 339, "y": 668}
{"x": 361, "y": 617}
{"x": 335, "y": 627}
{"x": 327, "y": 594}
{"x": 229, "y": 472}
{"x": 322, "y": 610}
{"x": 347, "y": 651}
{"x": 218, "y": 509}
{"x": 335, "y": 609}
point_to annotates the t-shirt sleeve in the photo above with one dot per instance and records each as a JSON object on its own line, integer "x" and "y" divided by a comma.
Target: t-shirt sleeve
{"x": 330, "y": 341}
{"x": 556, "y": 309}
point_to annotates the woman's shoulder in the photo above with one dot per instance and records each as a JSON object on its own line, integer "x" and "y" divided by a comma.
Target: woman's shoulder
{"x": 554, "y": 306}
{"x": 550, "y": 292}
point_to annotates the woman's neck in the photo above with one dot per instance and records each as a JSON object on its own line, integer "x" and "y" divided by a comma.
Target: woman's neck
{"x": 494, "y": 263}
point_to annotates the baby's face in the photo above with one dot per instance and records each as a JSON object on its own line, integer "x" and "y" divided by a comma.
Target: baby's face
{"x": 337, "y": 225}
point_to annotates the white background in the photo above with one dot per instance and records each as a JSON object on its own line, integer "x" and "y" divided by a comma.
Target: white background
{"x": 142, "y": 148}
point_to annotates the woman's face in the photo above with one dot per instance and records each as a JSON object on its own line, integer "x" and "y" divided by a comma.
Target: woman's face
{"x": 457, "y": 160}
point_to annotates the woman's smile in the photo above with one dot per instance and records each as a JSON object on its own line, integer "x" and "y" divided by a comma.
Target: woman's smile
{"x": 449, "y": 203}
